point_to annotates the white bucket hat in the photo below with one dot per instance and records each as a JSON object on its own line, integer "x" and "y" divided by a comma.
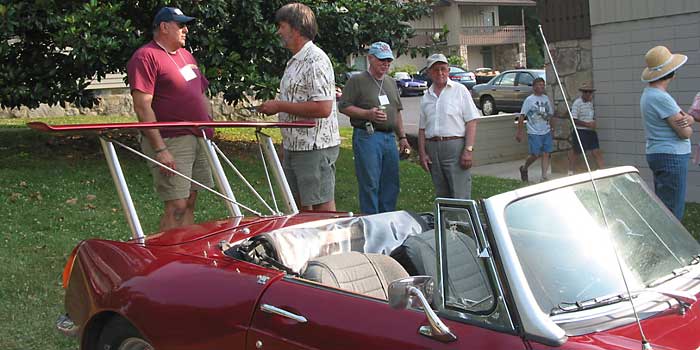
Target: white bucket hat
{"x": 660, "y": 62}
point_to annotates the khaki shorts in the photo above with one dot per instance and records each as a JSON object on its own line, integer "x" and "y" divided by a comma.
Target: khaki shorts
{"x": 311, "y": 174}
{"x": 190, "y": 160}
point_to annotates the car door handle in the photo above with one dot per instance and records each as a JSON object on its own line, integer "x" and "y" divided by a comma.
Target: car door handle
{"x": 284, "y": 313}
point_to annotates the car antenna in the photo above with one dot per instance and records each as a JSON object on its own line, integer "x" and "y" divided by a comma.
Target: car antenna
{"x": 645, "y": 344}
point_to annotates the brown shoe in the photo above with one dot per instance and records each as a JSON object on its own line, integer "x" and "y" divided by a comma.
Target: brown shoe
{"x": 523, "y": 173}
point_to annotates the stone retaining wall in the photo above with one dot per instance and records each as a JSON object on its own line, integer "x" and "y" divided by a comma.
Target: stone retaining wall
{"x": 114, "y": 102}
{"x": 574, "y": 64}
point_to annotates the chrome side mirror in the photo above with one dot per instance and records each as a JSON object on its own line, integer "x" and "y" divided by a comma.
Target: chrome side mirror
{"x": 417, "y": 291}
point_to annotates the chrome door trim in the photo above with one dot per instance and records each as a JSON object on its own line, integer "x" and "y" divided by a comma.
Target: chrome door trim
{"x": 284, "y": 313}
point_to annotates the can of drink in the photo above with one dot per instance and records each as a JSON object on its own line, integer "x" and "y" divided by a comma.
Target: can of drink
{"x": 405, "y": 154}
{"x": 369, "y": 127}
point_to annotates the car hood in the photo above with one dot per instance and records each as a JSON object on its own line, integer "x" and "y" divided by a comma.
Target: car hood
{"x": 479, "y": 87}
{"x": 665, "y": 331}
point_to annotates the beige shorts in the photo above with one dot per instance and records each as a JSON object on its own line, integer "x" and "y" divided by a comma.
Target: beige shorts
{"x": 190, "y": 160}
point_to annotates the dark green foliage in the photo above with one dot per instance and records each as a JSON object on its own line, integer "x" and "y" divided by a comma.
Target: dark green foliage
{"x": 50, "y": 49}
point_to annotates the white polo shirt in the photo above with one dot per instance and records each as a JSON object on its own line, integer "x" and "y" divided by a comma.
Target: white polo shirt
{"x": 309, "y": 77}
{"x": 445, "y": 115}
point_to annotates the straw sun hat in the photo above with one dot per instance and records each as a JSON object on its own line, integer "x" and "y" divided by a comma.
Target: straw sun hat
{"x": 660, "y": 62}
{"x": 586, "y": 86}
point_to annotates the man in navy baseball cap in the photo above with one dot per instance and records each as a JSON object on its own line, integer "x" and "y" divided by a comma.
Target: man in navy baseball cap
{"x": 170, "y": 14}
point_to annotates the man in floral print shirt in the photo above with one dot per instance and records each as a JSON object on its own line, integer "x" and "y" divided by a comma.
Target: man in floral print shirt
{"x": 307, "y": 92}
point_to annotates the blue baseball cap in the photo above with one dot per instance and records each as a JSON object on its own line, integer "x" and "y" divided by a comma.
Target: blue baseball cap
{"x": 381, "y": 50}
{"x": 170, "y": 14}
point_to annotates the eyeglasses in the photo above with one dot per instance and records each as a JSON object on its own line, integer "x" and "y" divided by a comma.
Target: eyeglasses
{"x": 385, "y": 60}
{"x": 181, "y": 24}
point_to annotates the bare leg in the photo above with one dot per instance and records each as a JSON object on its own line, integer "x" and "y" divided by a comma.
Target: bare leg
{"x": 189, "y": 213}
{"x": 523, "y": 169}
{"x": 545, "y": 165}
{"x": 178, "y": 212}
{"x": 328, "y": 206}
{"x": 598, "y": 156}
{"x": 573, "y": 157}
{"x": 531, "y": 159}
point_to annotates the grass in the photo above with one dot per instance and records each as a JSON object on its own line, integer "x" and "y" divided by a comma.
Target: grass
{"x": 57, "y": 191}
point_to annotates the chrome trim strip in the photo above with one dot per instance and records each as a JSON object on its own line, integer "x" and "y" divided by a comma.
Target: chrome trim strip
{"x": 122, "y": 190}
{"x": 280, "y": 312}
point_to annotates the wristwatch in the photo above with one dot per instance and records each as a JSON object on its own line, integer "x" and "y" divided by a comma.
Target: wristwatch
{"x": 469, "y": 148}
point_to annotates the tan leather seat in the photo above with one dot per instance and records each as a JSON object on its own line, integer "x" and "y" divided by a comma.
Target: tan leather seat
{"x": 362, "y": 273}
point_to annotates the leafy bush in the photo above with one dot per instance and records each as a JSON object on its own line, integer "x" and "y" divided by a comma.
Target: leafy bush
{"x": 408, "y": 68}
{"x": 51, "y": 49}
{"x": 455, "y": 60}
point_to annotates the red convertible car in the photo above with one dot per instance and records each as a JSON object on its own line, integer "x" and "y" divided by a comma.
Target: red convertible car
{"x": 592, "y": 261}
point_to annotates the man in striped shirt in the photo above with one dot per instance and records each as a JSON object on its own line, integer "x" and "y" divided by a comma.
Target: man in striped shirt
{"x": 584, "y": 119}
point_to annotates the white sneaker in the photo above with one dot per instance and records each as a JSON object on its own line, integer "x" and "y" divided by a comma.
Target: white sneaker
{"x": 569, "y": 173}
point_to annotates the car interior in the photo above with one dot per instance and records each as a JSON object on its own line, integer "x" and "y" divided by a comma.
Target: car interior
{"x": 365, "y": 254}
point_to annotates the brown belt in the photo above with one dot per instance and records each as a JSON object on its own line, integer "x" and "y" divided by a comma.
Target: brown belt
{"x": 445, "y": 138}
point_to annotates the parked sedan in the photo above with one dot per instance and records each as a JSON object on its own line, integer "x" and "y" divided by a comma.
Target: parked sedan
{"x": 506, "y": 92}
{"x": 408, "y": 85}
{"x": 457, "y": 74}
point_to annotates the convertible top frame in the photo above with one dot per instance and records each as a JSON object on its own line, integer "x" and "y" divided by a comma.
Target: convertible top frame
{"x": 266, "y": 147}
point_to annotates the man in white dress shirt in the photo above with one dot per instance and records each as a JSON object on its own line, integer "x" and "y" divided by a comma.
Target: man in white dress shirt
{"x": 447, "y": 132}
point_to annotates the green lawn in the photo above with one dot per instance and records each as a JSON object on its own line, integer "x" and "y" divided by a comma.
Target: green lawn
{"x": 57, "y": 191}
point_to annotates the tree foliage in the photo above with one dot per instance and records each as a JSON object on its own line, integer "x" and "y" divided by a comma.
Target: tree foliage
{"x": 51, "y": 49}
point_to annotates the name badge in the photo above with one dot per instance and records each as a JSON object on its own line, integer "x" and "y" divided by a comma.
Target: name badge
{"x": 188, "y": 73}
{"x": 383, "y": 100}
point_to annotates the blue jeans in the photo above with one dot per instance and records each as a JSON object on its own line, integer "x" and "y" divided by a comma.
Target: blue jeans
{"x": 377, "y": 170}
{"x": 670, "y": 179}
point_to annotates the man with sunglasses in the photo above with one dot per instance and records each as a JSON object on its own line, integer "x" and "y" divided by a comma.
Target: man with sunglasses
{"x": 372, "y": 102}
{"x": 167, "y": 85}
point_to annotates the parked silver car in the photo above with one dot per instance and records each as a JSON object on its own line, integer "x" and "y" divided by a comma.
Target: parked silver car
{"x": 506, "y": 92}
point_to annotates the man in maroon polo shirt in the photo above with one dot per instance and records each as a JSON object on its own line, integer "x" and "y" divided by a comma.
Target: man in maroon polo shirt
{"x": 166, "y": 85}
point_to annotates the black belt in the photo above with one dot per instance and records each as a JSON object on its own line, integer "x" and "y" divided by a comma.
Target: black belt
{"x": 375, "y": 128}
{"x": 444, "y": 138}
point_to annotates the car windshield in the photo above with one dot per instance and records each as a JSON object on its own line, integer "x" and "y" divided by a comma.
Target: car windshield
{"x": 565, "y": 250}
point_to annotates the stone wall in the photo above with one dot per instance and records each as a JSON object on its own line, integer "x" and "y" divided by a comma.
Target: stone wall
{"x": 574, "y": 64}
{"x": 117, "y": 102}
{"x": 506, "y": 57}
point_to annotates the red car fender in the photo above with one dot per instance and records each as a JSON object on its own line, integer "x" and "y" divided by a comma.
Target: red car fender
{"x": 175, "y": 301}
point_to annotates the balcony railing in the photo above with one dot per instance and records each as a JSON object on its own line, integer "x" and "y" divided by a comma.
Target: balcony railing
{"x": 494, "y": 35}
